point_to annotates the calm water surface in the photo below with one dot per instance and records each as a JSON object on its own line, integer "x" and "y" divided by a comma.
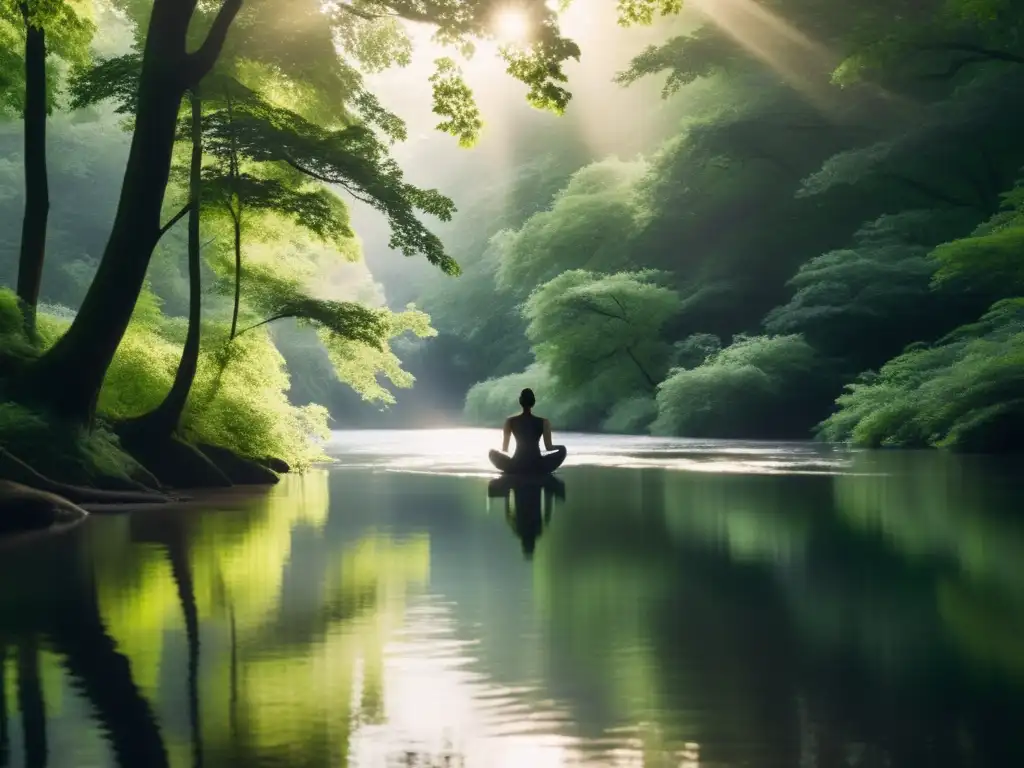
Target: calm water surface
{"x": 665, "y": 603}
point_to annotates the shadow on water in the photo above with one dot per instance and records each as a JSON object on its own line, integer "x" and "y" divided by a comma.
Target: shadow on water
{"x": 171, "y": 534}
{"x": 4, "y": 738}
{"x": 529, "y": 502}
{"x": 57, "y": 608}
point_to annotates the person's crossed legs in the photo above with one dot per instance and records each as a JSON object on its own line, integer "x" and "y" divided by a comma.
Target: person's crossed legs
{"x": 543, "y": 464}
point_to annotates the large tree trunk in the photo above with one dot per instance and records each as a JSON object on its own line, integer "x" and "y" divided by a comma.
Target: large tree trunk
{"x": 163, "y": 421}
{"x": 67, "y": 379}
{"x": 37, "y": 193}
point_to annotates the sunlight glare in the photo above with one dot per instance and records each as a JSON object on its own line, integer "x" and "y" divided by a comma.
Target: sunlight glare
{"x": 793, "y": 55}
{"x": 511, "y": 25}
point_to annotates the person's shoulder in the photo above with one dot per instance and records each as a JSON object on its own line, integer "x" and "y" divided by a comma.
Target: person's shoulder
{"x": 544, "y": 420}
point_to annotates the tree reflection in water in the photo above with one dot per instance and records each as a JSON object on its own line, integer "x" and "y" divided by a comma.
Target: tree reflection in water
{"x": 669, "y": 618}
{"x": 272, "y": 669}
{"x": 4, "y": 738}
{"x": 59, "y": 604}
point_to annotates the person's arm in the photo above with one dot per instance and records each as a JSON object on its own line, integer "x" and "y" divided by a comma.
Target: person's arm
{"x": 547, "y": 435}
{"x": 506, "y": 435}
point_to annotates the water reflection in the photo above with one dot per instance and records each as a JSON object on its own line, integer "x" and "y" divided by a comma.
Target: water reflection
{"x": 525, "y": 511}
{"x": 865, "y": 617}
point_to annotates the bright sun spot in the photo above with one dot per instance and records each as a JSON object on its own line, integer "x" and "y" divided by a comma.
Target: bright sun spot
{"x": 511, "y": 26}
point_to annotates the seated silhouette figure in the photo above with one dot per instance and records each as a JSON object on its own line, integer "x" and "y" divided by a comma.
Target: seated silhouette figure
{"x": 528, "y": 430}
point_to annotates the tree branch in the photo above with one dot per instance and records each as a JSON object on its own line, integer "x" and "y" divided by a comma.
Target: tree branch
{"x": 202, "y": 60}
{"x": 954, "y": 68}
{"x": 231, "y": 210}
{"x": 409, "y": 14}
{"x": 990, "y": 54}
{"x": 281, "y": 316}
{"x": 653, "y": 384}
{"x": 599, "y": 311}
{"x": 602, "y": 358}
{"x": 327, "y": 180}
{"x": 927, "y": 190}
{"x": 174, "y": 220}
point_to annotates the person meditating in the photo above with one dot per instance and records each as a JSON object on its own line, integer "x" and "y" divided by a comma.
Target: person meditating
{"x": 528, "y": 431}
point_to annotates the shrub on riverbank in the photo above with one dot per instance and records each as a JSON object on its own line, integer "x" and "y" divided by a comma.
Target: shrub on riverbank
{"x": 758, "y": 387}
{"x": 490, "y": 402}
{"x": 239, "y": 399}
{"x": 964, "y": 392}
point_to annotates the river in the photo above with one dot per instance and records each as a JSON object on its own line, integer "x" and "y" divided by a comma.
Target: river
{"x": 663, "y": 603}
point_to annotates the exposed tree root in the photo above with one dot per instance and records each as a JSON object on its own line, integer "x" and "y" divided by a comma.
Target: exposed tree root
{"x": 15, "y": 470}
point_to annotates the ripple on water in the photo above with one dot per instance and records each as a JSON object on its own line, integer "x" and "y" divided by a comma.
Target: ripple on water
{"x": 440, "y": 703}
{"x": 445, "y": 711}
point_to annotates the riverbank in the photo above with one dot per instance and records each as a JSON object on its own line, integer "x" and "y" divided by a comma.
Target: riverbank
{"x": 71, "y": 476}
{"x": 67, "y": 516}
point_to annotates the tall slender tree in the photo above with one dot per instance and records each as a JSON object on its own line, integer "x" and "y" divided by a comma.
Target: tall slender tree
{"x": 169, "y": 69}
{"x": 245, "y": 138}
{"x": 56, "y": 28}
{"x": 164, "y": 420}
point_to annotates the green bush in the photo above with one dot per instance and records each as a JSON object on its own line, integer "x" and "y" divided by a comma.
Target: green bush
{"x": 14, "y": 346}
{"x": 238, "y": 400}
{"x": 490, "y": 402}
{"x": 965, "y": 392}
{"x": 69, "y": 454}
{"x": 631, "y": 417}
{"x": 760, "y": 386}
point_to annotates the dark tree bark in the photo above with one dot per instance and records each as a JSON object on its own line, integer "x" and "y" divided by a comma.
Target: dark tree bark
{"x": 31, "y": 703}
{"x": 235, "y": 207}
{"x": 237, "y": 222}
{"x": 67, "y": 379}
{"x": 37, "y": 193}
{"x": 163, "y": 421}
{"x": 4, "y": 741}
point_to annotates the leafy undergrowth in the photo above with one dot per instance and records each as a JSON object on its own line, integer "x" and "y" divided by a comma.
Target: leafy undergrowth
{"x": 239, "y": 399}
{"x": 964, "y": 392}
{"x": 69, "y": 454}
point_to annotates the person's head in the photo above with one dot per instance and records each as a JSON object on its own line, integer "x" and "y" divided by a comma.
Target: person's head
{"x": 526, "y": 399}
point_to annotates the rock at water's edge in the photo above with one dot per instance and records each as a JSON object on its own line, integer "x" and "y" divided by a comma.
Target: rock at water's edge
{"x": 175, "y": 463}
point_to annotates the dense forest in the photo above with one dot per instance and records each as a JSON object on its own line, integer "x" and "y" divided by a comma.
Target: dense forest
{"x": 734, "y": 219}
{"x": 823, "y": 240}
